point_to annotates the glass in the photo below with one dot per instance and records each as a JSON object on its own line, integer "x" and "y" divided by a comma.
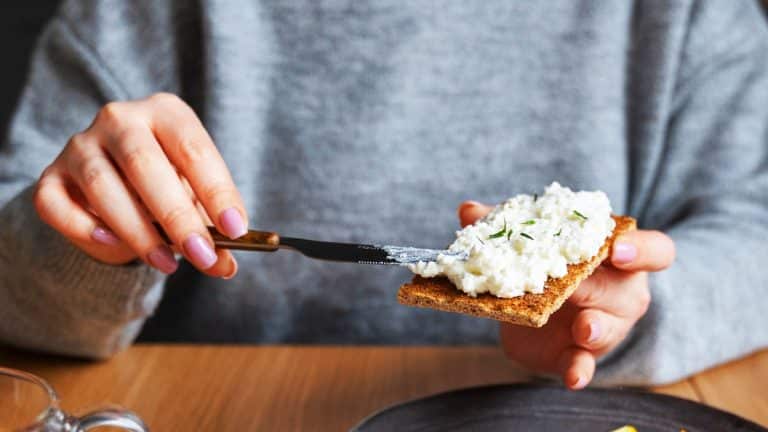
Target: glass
{"x": 29, "y": 404}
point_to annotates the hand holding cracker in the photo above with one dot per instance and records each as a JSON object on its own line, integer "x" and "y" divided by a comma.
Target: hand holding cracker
{"x": 597, "y": 317}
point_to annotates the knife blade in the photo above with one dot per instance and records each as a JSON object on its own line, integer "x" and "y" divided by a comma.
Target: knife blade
{"x": 363, "y": 253}
{"x": 267, "y": 241}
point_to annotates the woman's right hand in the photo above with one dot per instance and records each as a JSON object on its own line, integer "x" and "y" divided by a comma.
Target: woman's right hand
{"x": 143, "y": 161}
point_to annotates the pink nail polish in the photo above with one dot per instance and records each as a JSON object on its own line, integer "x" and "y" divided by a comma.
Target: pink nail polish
{"x": 580, "y": 383}
{"x": 199, "y": 252}
{"x": 162, "y": 259}
{"x": 105, "y": 236}
{"x": 624, "y": 253}
{"x": 232, "y": 223}
{"x": 594, "y": 332}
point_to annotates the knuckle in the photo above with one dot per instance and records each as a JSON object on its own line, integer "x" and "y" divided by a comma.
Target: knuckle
{"x": 78, "y": 143}
{"x": 176, "y": 215}
{"x": 90, "y": 171}
{"x": 47, "y": 171}
{"x": 216, "y": 191}
{"x": 50, "y": 210}
{"x": 132, "y": 156}
{"x": 591, "y": 291}
{"x": 578, "y": 296}
{"x": 111, "y": 114}
{"x": 167, "y": 99}
{"x": 68, "y": 223}
{"x": 610, "y": 337}
{"x": 190, "y": 151}
{"x": 601, "y": 286}
{"x": 92, "y": 175}
{"x": 643, "y": 302}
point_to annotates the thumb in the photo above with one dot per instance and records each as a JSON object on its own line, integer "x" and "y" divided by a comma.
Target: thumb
{"x": 470, "y": 211}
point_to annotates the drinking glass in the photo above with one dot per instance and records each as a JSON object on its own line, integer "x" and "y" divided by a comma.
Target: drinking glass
{"x": 29, "y": 404}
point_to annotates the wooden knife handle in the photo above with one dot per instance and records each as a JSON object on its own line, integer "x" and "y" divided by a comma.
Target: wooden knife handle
{"x": 264, "y": 241}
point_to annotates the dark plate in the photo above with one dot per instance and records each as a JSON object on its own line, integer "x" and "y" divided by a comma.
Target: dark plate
{"x": 529, "y": 407}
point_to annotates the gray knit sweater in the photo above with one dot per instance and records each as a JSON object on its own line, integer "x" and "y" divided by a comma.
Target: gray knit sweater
{"x": 369, "y": 121}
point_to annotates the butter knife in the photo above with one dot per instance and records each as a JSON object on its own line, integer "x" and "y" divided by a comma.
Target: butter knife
{"x": 267, "y": 241}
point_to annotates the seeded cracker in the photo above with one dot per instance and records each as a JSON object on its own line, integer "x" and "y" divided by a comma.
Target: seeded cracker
{"x": 532, "y": 310}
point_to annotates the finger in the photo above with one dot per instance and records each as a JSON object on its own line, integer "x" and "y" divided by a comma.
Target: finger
{"x": 144, "y": 164}
{"x": 538, "y": 348}
{"x": 227, "y": 262}
{"x": 614, "y": 291}
{"x": 198, "y": 205}
{"x": 57, "y": 208}
{"x": 192, "y": 151}
{"x": 577, "y": 367}
{"x": 598, "y": 331}
{"x": 95, "y": 175}
{"x": 471, "y": 211}
{"x": 643, "y": 251}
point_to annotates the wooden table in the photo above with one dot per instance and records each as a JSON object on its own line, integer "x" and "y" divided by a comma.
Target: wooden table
{"x": 285, "y": 388}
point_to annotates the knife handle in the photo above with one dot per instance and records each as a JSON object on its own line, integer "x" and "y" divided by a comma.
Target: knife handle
{"x": 264, "y": 241}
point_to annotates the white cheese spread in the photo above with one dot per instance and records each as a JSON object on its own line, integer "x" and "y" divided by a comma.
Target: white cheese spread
{"x": 524, "y": 241}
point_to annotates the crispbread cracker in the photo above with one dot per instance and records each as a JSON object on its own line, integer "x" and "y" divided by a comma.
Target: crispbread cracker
{"x": 532, "y": 310}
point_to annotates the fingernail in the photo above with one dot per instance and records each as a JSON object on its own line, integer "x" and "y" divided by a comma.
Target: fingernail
{"x": 624, "y": 253}
{"x": 594, "y": 332}
{"x": 232, "y": 223}
{"x": 162, "y": 259}
{"x": 104, "y": 236}
{"x": 199, "y": 252}
{"x": 233, "y": 272}
{"x": 580, "y": 383}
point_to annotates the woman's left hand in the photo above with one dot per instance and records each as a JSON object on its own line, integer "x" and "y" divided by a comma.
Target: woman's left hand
{"x": 597, "y": 317}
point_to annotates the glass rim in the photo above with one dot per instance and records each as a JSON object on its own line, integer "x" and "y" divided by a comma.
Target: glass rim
{"x": 53, "y": 398}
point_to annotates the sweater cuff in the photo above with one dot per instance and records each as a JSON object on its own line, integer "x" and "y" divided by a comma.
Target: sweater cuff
{"x": 72, "y": 279}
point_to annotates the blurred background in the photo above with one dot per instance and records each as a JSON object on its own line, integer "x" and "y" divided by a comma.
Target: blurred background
{"x": 20, "y": 23}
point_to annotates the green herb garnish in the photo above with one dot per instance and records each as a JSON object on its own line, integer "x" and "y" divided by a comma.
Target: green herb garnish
{"x": 558, "y": 232}
{"x": 535, "y": 197}
{"x": 509, "y": 234}
{"x": 526, "y": 236}
{"x": 529, "y": 222}
{"x": 579, "y": 215}
{"x": 500, "y": 233}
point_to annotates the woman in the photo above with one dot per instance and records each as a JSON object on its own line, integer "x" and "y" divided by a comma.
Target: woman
{"x": 371, "y": 121}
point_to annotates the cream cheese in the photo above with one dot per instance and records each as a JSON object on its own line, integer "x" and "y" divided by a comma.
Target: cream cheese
{"x": 524, "y": 241}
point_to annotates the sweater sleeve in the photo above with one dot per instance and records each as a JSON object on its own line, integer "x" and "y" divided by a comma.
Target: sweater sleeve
{"x": 53, "y": 297}
{"x": 711, "y": 197}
